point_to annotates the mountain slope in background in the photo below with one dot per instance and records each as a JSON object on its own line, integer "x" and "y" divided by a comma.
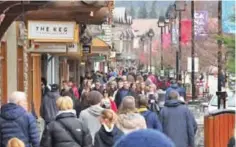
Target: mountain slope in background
{"x": 161, "y": 6}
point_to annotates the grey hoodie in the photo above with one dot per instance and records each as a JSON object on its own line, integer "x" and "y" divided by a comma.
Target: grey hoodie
{"x": 48, "y": 108}
{"x": 90, "y": 117}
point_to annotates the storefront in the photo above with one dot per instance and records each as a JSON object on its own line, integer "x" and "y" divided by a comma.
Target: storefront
{"x": 54, "y": 49}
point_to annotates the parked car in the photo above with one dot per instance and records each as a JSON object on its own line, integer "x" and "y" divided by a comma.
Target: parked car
{"x": 230, "y": 102}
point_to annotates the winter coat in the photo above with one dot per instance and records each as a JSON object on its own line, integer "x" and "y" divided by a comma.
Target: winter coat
{"x": 66, "y": 131}
{"x": 178, "y": 123}
{"x": 121, "y": 93}
{"x": 107, "y": 138}
{"x": 130, "y": 122}
{"x": 90, "y": 116}
{"x": 48, "y": 107}
{"x": 180, "y": 90}
{"x": 152, "y": 119}
{"x": 15, "y": 121}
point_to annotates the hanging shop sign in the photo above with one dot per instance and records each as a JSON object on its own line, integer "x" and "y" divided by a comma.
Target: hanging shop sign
{"x": 86, "y": 49}
{"x": 54, "y": 47}
{"x": 52, "y": 31}
{"x": 112, "y": 54}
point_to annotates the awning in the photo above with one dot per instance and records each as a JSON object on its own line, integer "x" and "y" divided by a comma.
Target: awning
{"x": 100, "y": 47}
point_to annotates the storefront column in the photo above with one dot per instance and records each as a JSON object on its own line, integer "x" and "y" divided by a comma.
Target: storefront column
{"x": 3, "y": 73}
{"x": 35, "y": 82}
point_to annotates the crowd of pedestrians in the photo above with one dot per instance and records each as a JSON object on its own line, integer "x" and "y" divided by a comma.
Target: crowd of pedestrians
{"x": 106, "y": 110}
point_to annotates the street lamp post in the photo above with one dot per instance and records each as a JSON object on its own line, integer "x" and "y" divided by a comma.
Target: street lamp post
{"x": 171, "y": 15}
{"x": 161, "y": 24}
{"x": 193, "y": 54}
{"x": 179, "y": 7}
{"x": 150, "y": 35}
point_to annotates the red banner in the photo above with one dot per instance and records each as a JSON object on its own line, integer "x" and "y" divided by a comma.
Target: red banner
{"x": 186, "y": 31}
{"x": 166, "y": 40}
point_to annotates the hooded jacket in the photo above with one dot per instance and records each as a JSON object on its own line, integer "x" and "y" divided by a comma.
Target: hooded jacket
{"x": 180, "y": 90}
{"x": 16, "y": 122}
{"x": 66, "y": 131}
{"x": 90, "y": 116}
{"x": 151, "y": 118}
{"x": 107, "y": 138}
{"x": 130, "y": 122}
{"x": 178, "y": 123}
{"x": 48, "y": 108}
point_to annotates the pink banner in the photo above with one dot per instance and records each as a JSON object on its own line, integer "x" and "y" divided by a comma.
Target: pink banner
{"x": 166, "y": 40}
{"x": 186, "y": 31}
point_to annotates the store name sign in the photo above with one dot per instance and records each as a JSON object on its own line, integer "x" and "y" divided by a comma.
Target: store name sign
{"x": 51, "y": 31}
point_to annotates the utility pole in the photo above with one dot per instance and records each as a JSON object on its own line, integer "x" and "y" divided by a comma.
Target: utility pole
{"x": 178, "y": 53}
{"x": 219, "y": 92}
{"x": 162, "y": 48}
{"x": 193, "y": 52}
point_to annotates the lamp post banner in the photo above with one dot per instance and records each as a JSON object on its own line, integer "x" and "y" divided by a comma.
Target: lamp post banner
{"x": 228, "y": 16}
{"x": 166, "y": 40}
{"x": 186, "y": 31}
{"x": 174, "y": 34}
{"x": 200, "y": 24}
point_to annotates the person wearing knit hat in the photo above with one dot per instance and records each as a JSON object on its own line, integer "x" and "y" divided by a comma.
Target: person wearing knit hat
{"x": 144, "y": 138}
{"x": 15, "y": 142}
{"x": 90, "y": 116}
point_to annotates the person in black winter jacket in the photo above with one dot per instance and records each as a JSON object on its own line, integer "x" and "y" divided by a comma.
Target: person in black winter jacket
{"x": 66, "y": 130}
{"x": 108, "y": 133}
{"x": 48, "y": 108}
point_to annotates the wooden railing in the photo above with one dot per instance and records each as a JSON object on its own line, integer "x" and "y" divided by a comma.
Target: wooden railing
{"x": 219, "y": 128}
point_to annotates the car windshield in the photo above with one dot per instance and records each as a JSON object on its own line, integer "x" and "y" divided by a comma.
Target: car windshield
{"x": 230, "y": 100}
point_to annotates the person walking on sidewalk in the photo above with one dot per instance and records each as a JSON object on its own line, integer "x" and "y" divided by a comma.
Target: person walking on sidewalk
{"x": 48, "y": 108}
{"x": 15, "y": 142}
{"x": 152, "y": 119}
{"x": 108, "y": 133}
{"x": 15, "y": 121}
{"x": 123, "y": 92}
{"x": 145, "y": 138}
{"x": 178, "y": 122}
{"x": 129, "y": 119}
{"x": 66, "y": 130}
{"x": 90, "y": 116}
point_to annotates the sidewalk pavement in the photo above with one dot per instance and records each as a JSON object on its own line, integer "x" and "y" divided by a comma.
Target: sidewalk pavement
{"x": 199, "y": 116}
